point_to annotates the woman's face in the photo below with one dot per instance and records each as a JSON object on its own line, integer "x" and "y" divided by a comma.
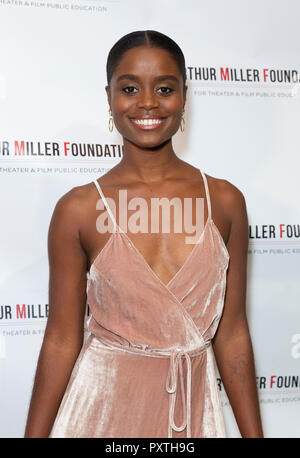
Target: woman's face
{"x": 147, "y": 84}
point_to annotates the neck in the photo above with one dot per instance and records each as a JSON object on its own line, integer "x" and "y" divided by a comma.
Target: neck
{"x": 149, "y": 163}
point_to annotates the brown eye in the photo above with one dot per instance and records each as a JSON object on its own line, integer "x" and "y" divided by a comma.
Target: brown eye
{"x": 164, "y": 91}
{"x": 128, "y": 87}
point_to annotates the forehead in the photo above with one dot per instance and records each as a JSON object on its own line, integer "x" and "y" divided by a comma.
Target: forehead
{"x": 145, "y": 60}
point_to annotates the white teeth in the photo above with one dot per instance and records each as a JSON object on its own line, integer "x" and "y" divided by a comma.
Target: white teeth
{"x": 147, "y": 122}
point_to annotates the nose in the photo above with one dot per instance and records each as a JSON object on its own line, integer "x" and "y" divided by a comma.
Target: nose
{"x": 147, "y": 99}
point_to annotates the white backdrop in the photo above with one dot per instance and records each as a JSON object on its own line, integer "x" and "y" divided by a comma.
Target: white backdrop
{"x": 246, "y": 130}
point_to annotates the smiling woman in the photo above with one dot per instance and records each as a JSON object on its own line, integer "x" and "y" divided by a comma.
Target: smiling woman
{"x": 161, "y": 309}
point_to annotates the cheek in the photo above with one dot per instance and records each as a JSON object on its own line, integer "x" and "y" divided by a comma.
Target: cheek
{"x": 121, "y": 105}
{"x": 171, "y": 108}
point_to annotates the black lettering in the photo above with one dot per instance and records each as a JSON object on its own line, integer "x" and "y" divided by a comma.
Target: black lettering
{"x": 5, "y": 312}
{"x": 4, "y": 148}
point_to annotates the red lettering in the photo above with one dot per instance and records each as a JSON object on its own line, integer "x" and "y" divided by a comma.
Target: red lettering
{"x": 19, "y": 150}
{"x": 21, "y": 311}
{"x": 281, "y": 229}
{"x": 272, "y": 381}
{"x": 225, "y": 74}
{"x": 265, "y": 74}
{"x": 66, "y": 148}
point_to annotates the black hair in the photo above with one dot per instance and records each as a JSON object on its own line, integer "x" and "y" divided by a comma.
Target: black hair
{"x": 150, "y": 38}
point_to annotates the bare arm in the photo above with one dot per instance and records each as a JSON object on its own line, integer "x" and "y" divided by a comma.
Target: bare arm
{"x": 232, "y": 343}
{"x": 64, "y": 331}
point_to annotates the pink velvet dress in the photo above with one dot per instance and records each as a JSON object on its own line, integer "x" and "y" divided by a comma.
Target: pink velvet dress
{"x": 147, "y": 368}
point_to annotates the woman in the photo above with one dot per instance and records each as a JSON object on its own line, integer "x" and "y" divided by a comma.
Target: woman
{"x": 158, "y": 306}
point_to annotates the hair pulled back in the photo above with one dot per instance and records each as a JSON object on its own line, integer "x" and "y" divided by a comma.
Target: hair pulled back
{"x": 150, "y": 38}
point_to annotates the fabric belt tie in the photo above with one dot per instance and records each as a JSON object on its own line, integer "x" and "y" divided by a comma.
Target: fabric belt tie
{"x": 172, "y": 378}
{"x": 171, "y": 387}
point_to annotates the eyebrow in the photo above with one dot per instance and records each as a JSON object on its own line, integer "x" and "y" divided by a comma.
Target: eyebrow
{"x": 158, "y": 78}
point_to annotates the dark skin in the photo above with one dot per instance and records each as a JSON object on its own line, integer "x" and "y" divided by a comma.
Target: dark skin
{"x": 149, "y": 168}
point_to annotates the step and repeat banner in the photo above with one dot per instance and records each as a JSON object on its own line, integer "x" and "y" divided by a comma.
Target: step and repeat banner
{"x": 242, "y": 124}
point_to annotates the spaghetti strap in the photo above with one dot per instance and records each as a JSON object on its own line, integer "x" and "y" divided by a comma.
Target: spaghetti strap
{"x": 106, "y": 205}
{"x": 207, "y": 193}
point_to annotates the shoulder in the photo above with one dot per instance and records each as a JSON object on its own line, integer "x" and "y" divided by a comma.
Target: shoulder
{"x": 222, "y": 186}
{"x": 73, "y": 205}
{"x": 230, "y": 197}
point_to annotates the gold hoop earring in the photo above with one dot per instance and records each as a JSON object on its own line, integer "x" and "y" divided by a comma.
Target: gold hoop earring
{"x": 182, "y": 123}
{"x": 110, "y": 121}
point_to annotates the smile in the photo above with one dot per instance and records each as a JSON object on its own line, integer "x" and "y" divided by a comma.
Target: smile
{"x": 147, "y": 124}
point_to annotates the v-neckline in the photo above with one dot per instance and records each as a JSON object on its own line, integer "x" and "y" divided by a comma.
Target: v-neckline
{"x": 154, "y": 274}
{"x": 166, "y": 287}
{"x": 119, "y": 230}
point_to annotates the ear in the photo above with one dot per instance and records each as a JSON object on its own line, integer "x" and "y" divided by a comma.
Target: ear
{"x": 108, "y": 94}
{"x": 184, "y": 94}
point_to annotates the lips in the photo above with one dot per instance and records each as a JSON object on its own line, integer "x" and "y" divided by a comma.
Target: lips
{"x": 148, "y": 123}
